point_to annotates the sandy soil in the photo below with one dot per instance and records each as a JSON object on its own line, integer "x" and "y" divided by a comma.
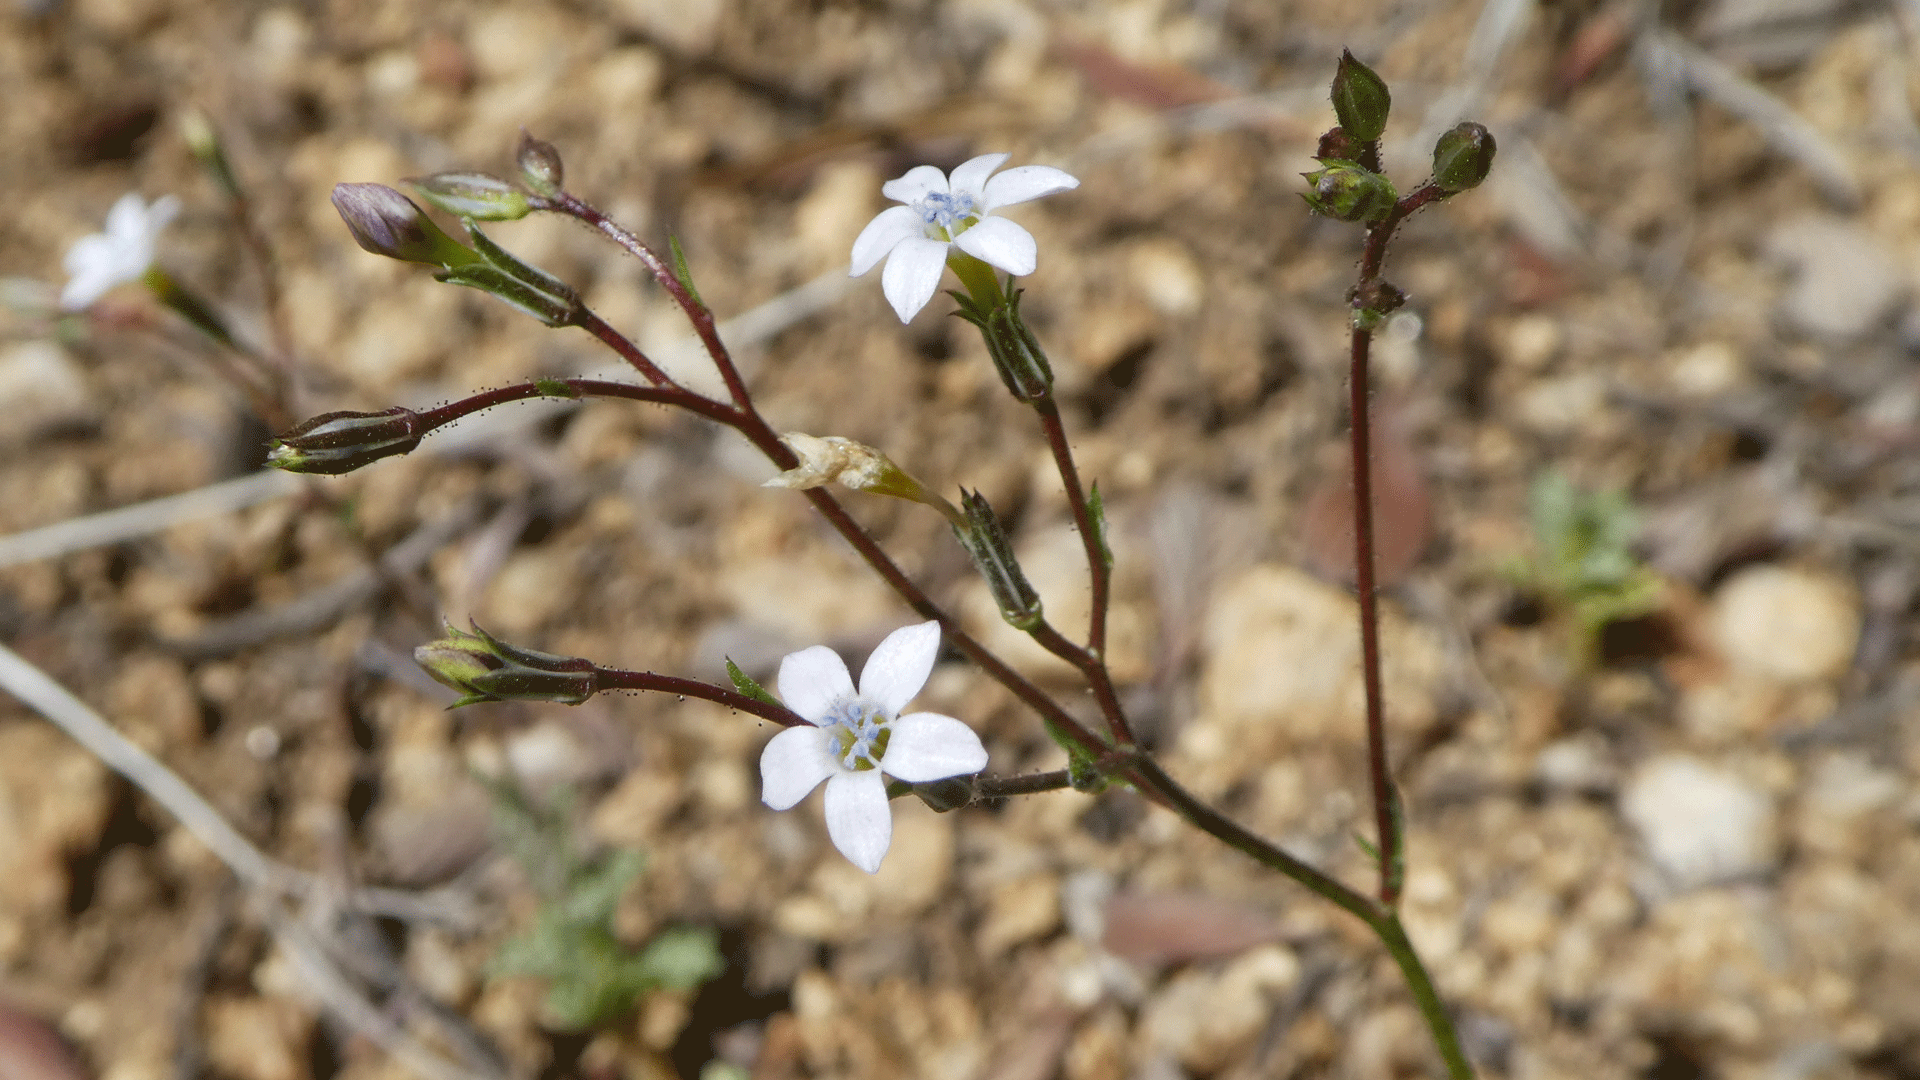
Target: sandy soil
{"x": 1697, "y": 857}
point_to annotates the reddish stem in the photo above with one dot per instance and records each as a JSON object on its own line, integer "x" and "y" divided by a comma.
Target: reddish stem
{"x": 617, "y": 679}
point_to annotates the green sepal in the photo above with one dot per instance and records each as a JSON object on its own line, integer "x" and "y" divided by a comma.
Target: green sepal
{"x": 680, "y": 271}
{"x": 520, "y": 284}
{"x": 744, "y": 683}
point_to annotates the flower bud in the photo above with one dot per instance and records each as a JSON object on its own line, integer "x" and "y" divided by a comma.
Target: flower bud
{"x": 473, "y": 195}
{"x": 1346, "y": 192}
{"x": 1463, "y": 157}
{"x": 485, "y": 669}
{"x": 540, "y": 165}
{"x": 1360, "y": 99}
{"x": 388, "y": 223}
{"x": 1337, "y": 145}
{"x": 992, "y": 552}
{"x": 340, "y": 442}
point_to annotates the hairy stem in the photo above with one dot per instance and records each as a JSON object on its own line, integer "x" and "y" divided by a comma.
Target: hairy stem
{"x": 697, "y": 313}
{"x": 617, "y": 679}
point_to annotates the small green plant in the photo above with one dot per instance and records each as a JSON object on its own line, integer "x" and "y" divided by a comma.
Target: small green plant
{"x": 592, "y": 976}
{"x": 1584, "y": 568}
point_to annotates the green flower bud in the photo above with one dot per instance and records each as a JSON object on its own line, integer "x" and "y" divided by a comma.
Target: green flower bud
{"x": 474, "y": 195}
{"x": 1346, "y": 192}
{"x": 540, "y": 165}
{"x": 388, "y": 223}
{"x": 340, "y": 442}
{"x": 1463, "y": 157}
{"x": 987, "y": 542}
{"x": 485, "y": 669}
{"x": 1360, "y": 99}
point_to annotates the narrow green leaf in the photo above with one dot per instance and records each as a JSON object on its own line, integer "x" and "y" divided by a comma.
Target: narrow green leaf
{"x": 744, "y": 684}
{"x": 1098, "y": 512}
{"x": 680, "y": 270}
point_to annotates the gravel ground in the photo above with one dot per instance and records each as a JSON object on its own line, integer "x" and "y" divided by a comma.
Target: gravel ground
{"x": 1689, "y": 851}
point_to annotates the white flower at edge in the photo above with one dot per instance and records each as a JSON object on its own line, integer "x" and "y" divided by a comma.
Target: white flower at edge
{"x": 958, "y": 210}
{"x": 120, "y": 255}
{"x": 857, "y": 735}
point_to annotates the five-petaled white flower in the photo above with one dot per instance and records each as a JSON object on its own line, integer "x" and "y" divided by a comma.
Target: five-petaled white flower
{"x": 957, "y": 210}
{"x": 120, "y": 255}
{"x": 856, "y": 735}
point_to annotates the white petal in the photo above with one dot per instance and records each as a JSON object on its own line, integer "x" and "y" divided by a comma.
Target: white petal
{"x": 919, "y": 182}
{"x": 794, "y": 763}
{"x": 92, "y": 269}
{"x": 899, "y": 667}
{"x": 858, "y": 817}
{"x": 1024, "y": 184}
{"x": 927, "y": 746}
{"x": 127, "y": 221}
{"x": 161, "y": 213}
{"x": 1001, "y": 243}
{"x": 894, "y": 224}
{"x": 811, "y": 680}
{"x": 913, "y": 274}
{"x": 971, "y": 177}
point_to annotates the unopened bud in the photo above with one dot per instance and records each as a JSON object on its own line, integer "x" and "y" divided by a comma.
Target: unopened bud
{"x": 1463, "y": 157}
{"x": 540, "y": 165}
{"x": 1360, "y": 99}
{"x": 473, "y": 195}
{"x": 1337, "y": 145}
{"x": 388, "y": 223}
{"x": 340, "y": 442}
{"x": 1346, "y": 192}
{"x": 485, "y": 669}
{"x": 992, "y": 552}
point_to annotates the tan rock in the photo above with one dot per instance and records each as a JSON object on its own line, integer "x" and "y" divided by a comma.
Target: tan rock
{"x": 258, "y": 1038}
{"x": 1785, "y": 623}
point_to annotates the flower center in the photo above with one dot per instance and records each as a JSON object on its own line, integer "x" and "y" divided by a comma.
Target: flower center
{"x": 947, "y": 216}
{"x": 859, "y": 732}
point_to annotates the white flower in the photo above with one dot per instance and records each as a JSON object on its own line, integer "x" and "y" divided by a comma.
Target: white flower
{"x": 957, "y": 210}
{"x": 856, "y": 735}
{"x": 122, "y": 254}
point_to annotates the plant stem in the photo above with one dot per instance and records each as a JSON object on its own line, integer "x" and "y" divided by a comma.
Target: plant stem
{"x": 1362, "y": 449}
{"x": 618, "y": 679}
{"x": 1425, "y": 994}
{"x": 660, "y": 395}
{"x": 1386, "y": 821}
{"x": 697, "y": 313}
{"x": 620, "y": 343}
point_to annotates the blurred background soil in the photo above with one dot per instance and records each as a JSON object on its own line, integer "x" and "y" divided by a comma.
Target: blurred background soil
{"x": 1691, "y": 279}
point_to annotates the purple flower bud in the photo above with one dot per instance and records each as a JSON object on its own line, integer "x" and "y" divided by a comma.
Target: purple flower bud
{"x": 388, "y": 223}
